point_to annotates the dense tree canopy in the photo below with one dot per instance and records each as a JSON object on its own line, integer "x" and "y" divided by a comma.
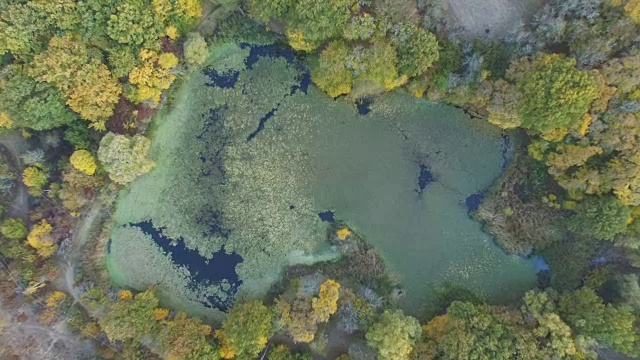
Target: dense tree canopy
{"x": 373, "y": 55}
{"x": 125, "y": 158}
{"x": 86, "y": 82}
{"x": 281, "y": 352}
{"x": 394, "y": 335}
{"x": 187, "y": 338}
{"x": 195, "y": 49}
{"x": 13, "y": 229}
{"x": 554, "y": 93}
{"x": 601, "y": 217}
{"x": 588, "y": 315}
{"x": 313, "y": 22}
{"x": 21, "y": 29}
{"x": 417, "y": 49}
{"x": 130, "y": 317}
{"x": 32, "y": 104}
{"x": 469, "y": 331}
{"x": 245, "y": 331}
{"x": 330, "y": 72}
{"x": 133, "y": 24}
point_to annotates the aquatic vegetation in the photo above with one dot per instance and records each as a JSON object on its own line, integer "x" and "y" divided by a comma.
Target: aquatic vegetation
{"x": 250, "y": 159}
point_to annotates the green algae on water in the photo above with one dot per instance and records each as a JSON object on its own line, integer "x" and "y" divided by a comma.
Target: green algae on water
{"x": 221, "y": 180}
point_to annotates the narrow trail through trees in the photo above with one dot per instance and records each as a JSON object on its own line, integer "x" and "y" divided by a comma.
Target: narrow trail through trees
{"x": 14, "y": 144}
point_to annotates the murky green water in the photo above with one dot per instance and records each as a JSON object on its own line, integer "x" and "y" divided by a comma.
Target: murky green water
{"x": 368, "y": 173}
{"x": 314, "y": 154}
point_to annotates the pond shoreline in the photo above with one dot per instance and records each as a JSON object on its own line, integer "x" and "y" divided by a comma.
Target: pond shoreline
{"x": 392, "y": 176}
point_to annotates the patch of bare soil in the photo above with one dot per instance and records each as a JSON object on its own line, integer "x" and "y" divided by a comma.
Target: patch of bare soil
{"x": 23, "y": 337}
{"x": 492, "y": 18}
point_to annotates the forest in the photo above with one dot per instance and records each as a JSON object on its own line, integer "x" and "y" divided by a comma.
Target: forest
{"x": 126, "y": 123}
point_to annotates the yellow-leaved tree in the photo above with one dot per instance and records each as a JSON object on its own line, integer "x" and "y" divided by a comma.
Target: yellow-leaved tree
{"x": 632, "y": 9}
{"x": 94, "y": 94}
{"x": 83, "y": 160}
{"x": 245, "y": 331}
{"x": 40, "y": 239}
{"x": 5, "y": 121}
{"x": 86, "y": 83}
{"x": 326, "y": 304}
{"x": 301, "y": 316}
{"x": 55, "y": 299}
{"x": 153, "y": 76}
{"x": 189, "y": 8}
{"x": 35, "y": 179}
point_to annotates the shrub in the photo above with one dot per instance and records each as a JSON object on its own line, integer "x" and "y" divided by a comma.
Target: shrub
{"x": 34, "y": 177}
{"x": 14, "y": 229}
{"x": 195, "y": 49}
{"x": 125, "y": 158}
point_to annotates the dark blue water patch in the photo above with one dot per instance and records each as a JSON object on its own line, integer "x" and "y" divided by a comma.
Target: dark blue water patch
{"x": 541, "y": 268}
{"x": 213, "y": 122}
{"x": 544, "y": 279}
{"x": 424, "y": 178}
{"x": 363, "y": 106}
{"x": 262, "y": 122}
{"x": 599, "y": 261}
{"x": 305, "y": 80}
{"x": 327, "y": 216}
{"x": 109, "y": 246}
{"x": 229, "y": 79}
{"x": 505, "y": 149}
{"x": 218, "y": 270}
{"x": 473, "y": 201}
{"x": 213, "y": 138}
{"x": 258, "y": 51}
{"x": 540, "y": 264}
{"x": 225, "y": 80}
{"x": 291, "y": 207}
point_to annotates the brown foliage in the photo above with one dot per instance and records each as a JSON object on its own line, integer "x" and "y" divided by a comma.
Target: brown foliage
{"x": 365, "y": 263}
{"x": 518, "y": 225}
{"x": 144, "y": 112}
{"x": 123, "y": 115}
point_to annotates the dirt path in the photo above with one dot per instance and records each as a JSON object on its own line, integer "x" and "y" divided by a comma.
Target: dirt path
{"x": 81, "y": 234}
{"x": 497, "y": 16}
{"x": 15, "y": 144}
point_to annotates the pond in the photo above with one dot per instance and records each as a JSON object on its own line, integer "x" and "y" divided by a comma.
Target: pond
{"x": 255, "y": 163}
{"x": 405, "y": 177}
